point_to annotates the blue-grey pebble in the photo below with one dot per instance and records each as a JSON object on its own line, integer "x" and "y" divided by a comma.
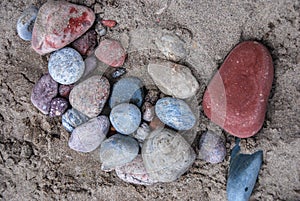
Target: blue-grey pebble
{"x": 125, "y": 118}
{"x": 117, "y": 150}
{"x": 127, "y": 90}
{"x": 72, "y": 118}
{"x": 66, "y": 66}
{"x": 175, "y": 113}
{"x": 118, "y": 72}
{"x": 25, "y": 23}
{"x": 243, "y": 173}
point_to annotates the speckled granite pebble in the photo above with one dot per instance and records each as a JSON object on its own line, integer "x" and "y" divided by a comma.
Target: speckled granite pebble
{"x": 172, "y": 47}
{"x": 25, "y": 23}
{"x": 175, "y": 113}
{"x": 66, "y": 66}
{"x": 111, "y": 53}
{"x": 127, "y": 90}
{"x": 135, "y": 172}
{"x": 211, "y": 147}
{"x": 173, "y": 79}
{"x": 90, "y": 95}
{"x": 72, "y": 119}
{"x": 43, "y": 92}
{"x": 125, "y": 118}
{"x": 58, "y": 107}
{"x": 59, "y": 23}
{"x": 117, "y": 150}
{"x": 88, "y": 136}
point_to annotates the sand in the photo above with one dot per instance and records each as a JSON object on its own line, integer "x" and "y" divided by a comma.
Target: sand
{"x": 35, "y": 160}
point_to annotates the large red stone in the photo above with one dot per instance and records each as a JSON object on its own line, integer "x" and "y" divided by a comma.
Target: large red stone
{"x": 59, "y": 23}
{"x": 237, "y": 96}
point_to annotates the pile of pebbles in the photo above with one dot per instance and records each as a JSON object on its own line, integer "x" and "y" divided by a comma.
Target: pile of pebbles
{"x": 138, "y": 129}
{"x": 138, "y": 137}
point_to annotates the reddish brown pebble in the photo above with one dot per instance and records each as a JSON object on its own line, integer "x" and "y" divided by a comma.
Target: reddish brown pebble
{"x": 109, "y": 23}
{"x": 86, "y": 44}
{"x": 111, "y": 53}
{"x": 58, "y": 107}
{"x": 64, "y": 90}
{"x": 237, "y": 96}
{"x": 156, "y": 123}
{"x": 59, "y": 23}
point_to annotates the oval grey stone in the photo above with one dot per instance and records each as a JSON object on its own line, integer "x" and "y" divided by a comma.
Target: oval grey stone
{"x": 88, "y": 136}
{"x": 117, "y": 151}
{"x": 175, "y": 113}
{"x": 174, "y": 79}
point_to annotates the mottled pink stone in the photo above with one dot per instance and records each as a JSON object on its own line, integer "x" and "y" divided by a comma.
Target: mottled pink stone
{"x": 59, "y": 23}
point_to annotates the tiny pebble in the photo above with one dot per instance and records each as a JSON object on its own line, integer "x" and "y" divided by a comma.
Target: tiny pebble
{"x": 58, "y": 107}
{"x": 125, "y": 118}
{"x": 25, "y": 23}
{"x": 142, "y": 132}
{"x": 109, "y": 23}
{"x": 118, "y": 72}
{"x": 72, "y": 119}
{"x": 64, "y": 90}
{"x": 66, "y": 66}
{"x": 212, "y": 147}
{"x": 148, "y": 111}
{"x": 152, "y": 96}
{"x": 100, "y": 29}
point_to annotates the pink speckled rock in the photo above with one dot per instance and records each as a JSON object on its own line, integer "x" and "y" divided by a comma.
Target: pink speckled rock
{"x": 90, "y": 95}
{"x": 135, "y": 172}
{"x": 59, "y": 23}
{"x": 111, "y": 53}
{"x": 237, "y": 96}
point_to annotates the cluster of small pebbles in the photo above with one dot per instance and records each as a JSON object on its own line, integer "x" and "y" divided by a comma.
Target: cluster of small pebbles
{"x": 147, "y": 147}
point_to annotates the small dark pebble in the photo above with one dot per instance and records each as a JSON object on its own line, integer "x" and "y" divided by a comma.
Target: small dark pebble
{"x": 86, "y": 44}
{"x": 119, "y": 72}
{"x": 64, "y": 90}
{"x": 152, "y": 96}
{"x": 58, "y": 107}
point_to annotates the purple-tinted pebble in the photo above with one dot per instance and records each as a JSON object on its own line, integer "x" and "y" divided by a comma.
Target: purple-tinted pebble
{"x": 43, "y": 92}
{"x": 212, "y": 147}
{"x": 58, "y": 107}
{"x": 64, "y": 90}
{"x": 86, "y": 44}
